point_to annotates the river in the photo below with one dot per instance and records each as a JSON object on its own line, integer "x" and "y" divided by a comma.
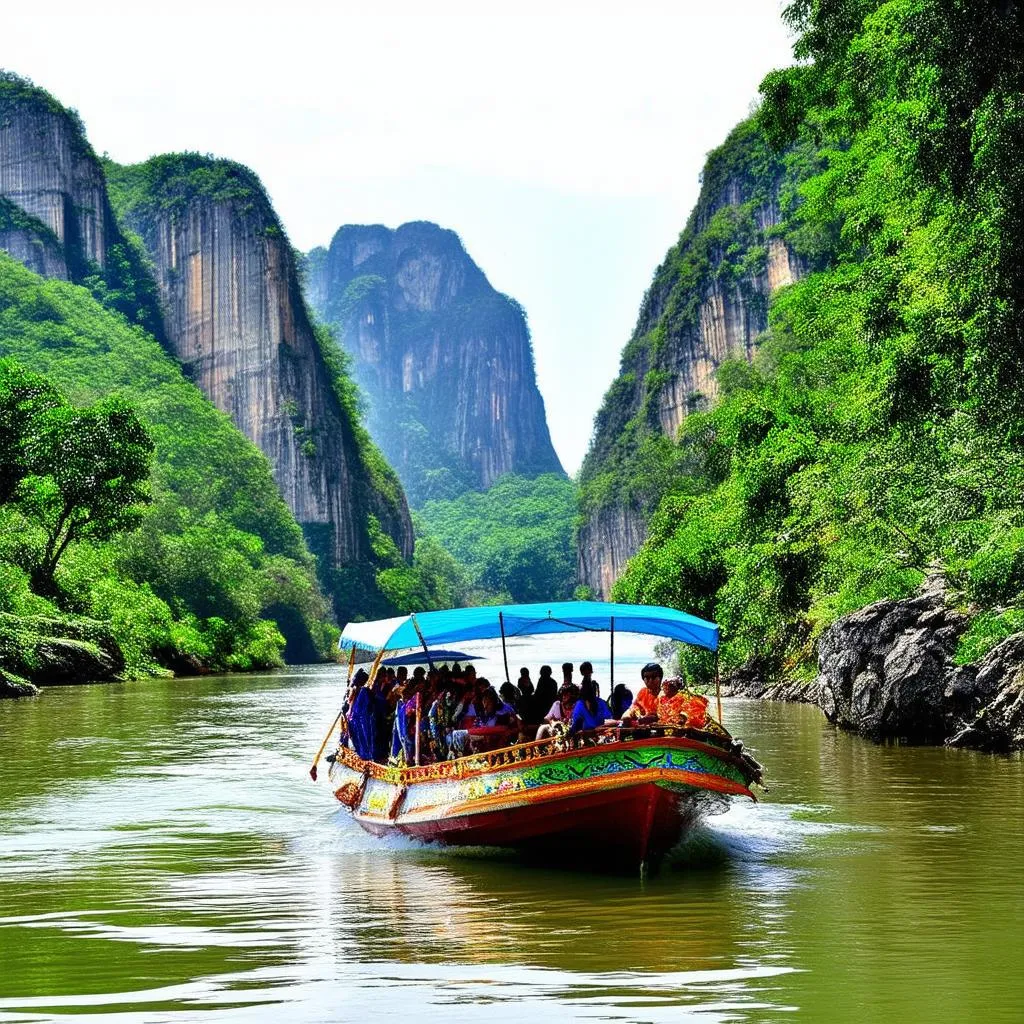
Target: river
{"x": 164, "y": 857}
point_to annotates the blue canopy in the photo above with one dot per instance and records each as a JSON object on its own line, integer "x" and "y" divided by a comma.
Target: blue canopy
{"x": 419, "y": 658}
{"x": 458, "y": 625}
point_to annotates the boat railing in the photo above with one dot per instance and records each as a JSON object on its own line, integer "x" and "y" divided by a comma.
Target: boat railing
{"x": 516, "y": 753}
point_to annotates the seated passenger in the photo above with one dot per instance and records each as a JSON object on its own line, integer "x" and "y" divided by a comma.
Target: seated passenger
{"x": 510, "y": 695}
{"x": 544, "y": 696}
{"x": 362, "y": 725}
{"x": 590, "y": 711}
{"x": 621, "y": 700}
{"x": 560, "y": 711}
{"x": 494, "y": 712}
{"x": 644, "y": 708}
{"x": 525, "y": 704}
{"x": 672, "y": 705}
{"x": 587, "y": 673}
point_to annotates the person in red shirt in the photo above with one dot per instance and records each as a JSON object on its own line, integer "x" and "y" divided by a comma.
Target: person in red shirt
{"x": 644, "y": 708}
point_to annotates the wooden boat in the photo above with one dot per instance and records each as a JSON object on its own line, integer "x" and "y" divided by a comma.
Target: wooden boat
{"x": 615, "y": 797}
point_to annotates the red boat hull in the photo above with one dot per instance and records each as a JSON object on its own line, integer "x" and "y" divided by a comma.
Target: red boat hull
{"x": 611, "y": 806}
{"x": 622, "y": 828}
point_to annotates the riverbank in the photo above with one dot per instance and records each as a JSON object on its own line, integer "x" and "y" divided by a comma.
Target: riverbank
{"x": 889, "y": 672}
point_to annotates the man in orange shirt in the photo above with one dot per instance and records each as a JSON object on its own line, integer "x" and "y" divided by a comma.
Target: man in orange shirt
{"x": 644, "y": 709}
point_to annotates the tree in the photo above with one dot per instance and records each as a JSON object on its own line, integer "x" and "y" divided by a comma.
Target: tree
{"x": 24, "y": 398}
{"x": 90, "y": 479}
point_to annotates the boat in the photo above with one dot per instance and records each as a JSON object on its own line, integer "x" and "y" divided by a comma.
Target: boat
{"x": 619, "y": 797}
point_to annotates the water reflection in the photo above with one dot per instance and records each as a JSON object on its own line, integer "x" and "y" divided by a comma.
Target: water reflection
{"x": 162, "y": 858}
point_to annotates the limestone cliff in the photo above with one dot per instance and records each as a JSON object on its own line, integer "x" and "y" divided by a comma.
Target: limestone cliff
{"x": 31, "y": 242}
{"x": 48, "y": 170}
{"x": 235, "y": 317}
{"x": 445, "y": 359}
{"x": 707, "y": 303}
{"x": 55, "y": 215}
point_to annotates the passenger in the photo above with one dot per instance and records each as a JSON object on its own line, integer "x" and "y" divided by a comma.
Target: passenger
{"x": 510, "y": 695}
{"x": 560, "y": 711}
{"x": 526, "y": 705}
{"x": 587, "y": 672}
{"x": 495, "y": 712}
{"x": 672, "y": 705}
{"x": 381, "y": 715}
{"x": 620, "y": 700}
{"x": 362, "y": 723}
{"x": 644, "y": 708}
{"x": 567, "y": 673}
{"x": 545, "y": 695}
{"x": 590, "y": 711}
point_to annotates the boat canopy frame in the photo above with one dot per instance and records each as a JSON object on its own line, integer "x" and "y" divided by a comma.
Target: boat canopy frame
{"x": 491, "y": 622}
{"x": 436, "y": 629}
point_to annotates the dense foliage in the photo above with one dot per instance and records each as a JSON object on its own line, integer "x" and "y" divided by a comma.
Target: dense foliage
{"x": 515, "y": 539}
{"x": 213, "y": 570}
{"x": 879, "y": 431}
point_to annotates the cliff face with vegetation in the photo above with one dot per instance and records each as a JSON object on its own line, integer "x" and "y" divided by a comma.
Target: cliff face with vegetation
{"x": 876, "y": 438}
{"x": 445, "y": 360}
{"x": 208, "y": 569}
{"x": 707, "y": 304}
{"x": 235, "y": 318}
{"x": 48, "y": 170}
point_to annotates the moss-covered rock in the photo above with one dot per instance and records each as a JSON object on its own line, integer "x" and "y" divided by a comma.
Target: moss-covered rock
{"x": 12, "y": 686}
{"x": 58, "y": 651}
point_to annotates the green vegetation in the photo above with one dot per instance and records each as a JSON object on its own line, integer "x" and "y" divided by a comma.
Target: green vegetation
{"x": 514, "y": 539}
{"x": 879, "y": 431}
{"x": 171, "y": 181}
{"x": 198, "y": 564}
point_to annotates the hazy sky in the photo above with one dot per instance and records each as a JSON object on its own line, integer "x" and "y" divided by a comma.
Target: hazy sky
{"x": 561, "y": 140}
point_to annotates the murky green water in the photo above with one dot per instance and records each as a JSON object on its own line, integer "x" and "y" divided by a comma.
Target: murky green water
{"x": 163, "y": 857}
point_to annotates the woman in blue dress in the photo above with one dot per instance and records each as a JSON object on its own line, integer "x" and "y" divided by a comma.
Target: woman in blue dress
{"x": 590, "y": 710}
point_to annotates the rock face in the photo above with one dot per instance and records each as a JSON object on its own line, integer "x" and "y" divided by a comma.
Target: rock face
{"x": 606, "y": 542}
{"x": 887, "y": 672}
{"x": 445, "y": 359}
{"x": 235, "y": 318}
{"x": 31, "y": 242}
{"x": 48, "y": 170}
{"x": 708, "y": 303}
{"x": 883, "y": 670}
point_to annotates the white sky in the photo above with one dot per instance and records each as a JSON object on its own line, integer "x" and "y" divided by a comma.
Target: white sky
{"x": 562, "y": 140}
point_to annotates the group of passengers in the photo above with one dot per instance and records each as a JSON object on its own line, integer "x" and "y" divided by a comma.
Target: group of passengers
{"x": 457, "y": 712}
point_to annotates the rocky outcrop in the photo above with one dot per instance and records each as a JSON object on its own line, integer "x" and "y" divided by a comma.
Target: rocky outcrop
{"x": 11, "y": 686}
{"x": 31, "y": 242}
{"x": 235, "y": 318}
{"x": 444, "y": 359}
{"x": 986, "y": 700}
{"x": 888, "y": 671}
{"x": 605, "y": 542}
{"x": 708, "y": 303}
{"x": 48, "y": 170}
{"x": 43, "y": 651}
{"x": 883, "y": 671}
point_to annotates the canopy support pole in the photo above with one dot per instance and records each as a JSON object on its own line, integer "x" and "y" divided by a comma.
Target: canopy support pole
{"x": 504, "y": 650}
{"x": 611, "y": 674}
{"x": 419, "y": 700}
{"x": 718, "y": 689}
{"x": 416, "y": 626}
